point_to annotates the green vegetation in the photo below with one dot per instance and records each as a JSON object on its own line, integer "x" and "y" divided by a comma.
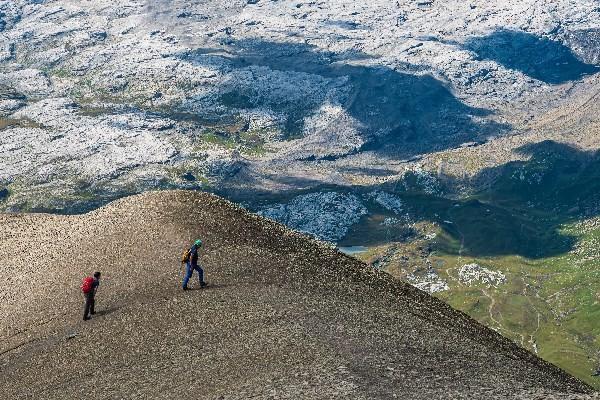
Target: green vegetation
{"x": 295, "y": 113}
{"x": 218, "y": 139}
{"x": 229, "y": 135}
{"x": 58, "y": 72}
{"x": 538, "y": 224}
{"x": 250, "y": 143}
{"x": 6, "y": 123}
{"x": 550, "y": 306}
{"x": 188, "y": 173}
{"x": 88, "y": 91}
{"x": 75, "y": 194}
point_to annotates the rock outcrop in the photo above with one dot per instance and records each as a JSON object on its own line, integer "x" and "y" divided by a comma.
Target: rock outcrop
{"x": 150, "y": 92}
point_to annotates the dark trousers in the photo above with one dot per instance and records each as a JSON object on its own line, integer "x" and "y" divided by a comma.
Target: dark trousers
{"x": 89, "y": 304}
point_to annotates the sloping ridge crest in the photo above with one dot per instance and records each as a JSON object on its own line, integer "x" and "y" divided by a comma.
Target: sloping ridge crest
{"x": 284, "y": 316}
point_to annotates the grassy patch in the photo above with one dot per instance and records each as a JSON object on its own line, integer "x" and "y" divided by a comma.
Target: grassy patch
{"x": 218, "y": 139}
{"x": 60, "y": 72}
{"x": 188, "y": 174}
{"x": 530, "y": 226}
{"x": 6, "y": 123}
{"x": 231, "y": 137}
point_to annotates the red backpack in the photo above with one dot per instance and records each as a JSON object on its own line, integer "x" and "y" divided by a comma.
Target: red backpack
{"x": 87, "y": 284}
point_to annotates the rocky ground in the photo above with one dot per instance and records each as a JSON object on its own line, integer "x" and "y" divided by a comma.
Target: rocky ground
{"x": 393, "y": 125}
{"x": 105, "y": 99}
{"x": 284, "y": 316}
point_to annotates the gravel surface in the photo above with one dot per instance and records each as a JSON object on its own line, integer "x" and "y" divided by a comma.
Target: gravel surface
{"x": 284, "y": 317}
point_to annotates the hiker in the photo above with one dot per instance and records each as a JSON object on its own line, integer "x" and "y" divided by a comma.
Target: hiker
{"x": 190, "y": 258}
{"x": 88, "y": 287}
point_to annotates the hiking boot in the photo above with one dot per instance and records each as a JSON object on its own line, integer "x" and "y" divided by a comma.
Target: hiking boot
{"x": 202, "y": 284}
{"x": 86, "y": 318}
{"x": 185, "y": 288}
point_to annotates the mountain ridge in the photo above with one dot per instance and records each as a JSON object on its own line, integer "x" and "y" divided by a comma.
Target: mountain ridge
{"x": 278, "y": 284}
{"x": 441, "y": 137}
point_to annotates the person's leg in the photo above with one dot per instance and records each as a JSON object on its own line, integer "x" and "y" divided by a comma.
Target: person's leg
{"x": 188, "y": 274}
{"x": 86, "y": 311}
{"x": 92, "y": 303}
{"x": 200, "y": 274}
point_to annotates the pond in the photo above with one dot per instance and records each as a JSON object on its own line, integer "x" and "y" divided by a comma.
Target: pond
{"x": 352, "y": 250}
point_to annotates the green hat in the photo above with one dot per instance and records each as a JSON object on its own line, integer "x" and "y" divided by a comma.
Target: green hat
{"x": 198, "y": 242}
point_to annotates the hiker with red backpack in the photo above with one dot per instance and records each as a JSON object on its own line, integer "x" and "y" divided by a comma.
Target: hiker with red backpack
{"x": 190, "y": 259}
{"x": 88, "y": 287}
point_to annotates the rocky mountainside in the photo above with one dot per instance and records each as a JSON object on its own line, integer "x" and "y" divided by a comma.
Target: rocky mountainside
{"x": 284, "y": 316}
{"x": 102, "y": 99}
{"x": 452, "y": 144}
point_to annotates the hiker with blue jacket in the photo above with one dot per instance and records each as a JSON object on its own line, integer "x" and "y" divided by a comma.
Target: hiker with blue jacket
{"x": 190, "y": 258}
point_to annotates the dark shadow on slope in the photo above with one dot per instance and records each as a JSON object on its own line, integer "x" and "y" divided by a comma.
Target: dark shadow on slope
{"x": 400, "y": 114}
{"x": 368, "y": 171}
{"x": 106, "y": 311}
{"x": 556, "y": 178}
{"x": 540, "y": 58}
{"x": 210, "y": 286}
{"x": 521, "y": 212}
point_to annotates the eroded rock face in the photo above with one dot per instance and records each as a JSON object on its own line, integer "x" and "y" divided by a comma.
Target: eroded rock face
{"x": 428, "y": 281}
{"x": 388, "y": 201}
{"x": 470, "y": 274}
{"x": 326, "y": 215}
{"x": 586, "y": 44}
{"x": 299, "y": 88}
